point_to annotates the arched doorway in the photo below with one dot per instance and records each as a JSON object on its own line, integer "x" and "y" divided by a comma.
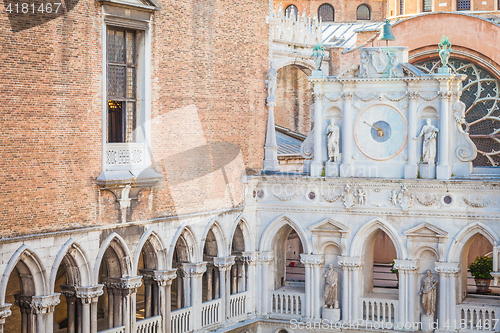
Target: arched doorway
{"x": 288, "y": 269}
{"x": 210, "y": 279}
{"x": 147, "y": 299}
{"x": 180, "y": 291}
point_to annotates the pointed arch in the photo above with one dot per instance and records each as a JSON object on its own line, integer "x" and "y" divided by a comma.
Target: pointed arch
{"x": 273, "y": 227}
{"x": 79, "y": 261}
{"x": 247, "y": 234}
{"x": 465, "y": 235}
{"x": 117, "y": 243}
{"x": 34, "y": 265}
{"x": 156, "y": 243}
{"x": 185, "y": 234}
{"x": 222, "y": 247}
{"x": 367, "y": 230}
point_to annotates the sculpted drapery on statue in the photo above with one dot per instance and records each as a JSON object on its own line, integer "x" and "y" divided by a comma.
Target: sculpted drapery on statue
{"x": 429, "y": 132}
{"x": 428, "y": 292}
{"x": 333, "y": 136}
{"x": 272, "y": 76}
{"x": 331, "y": 283}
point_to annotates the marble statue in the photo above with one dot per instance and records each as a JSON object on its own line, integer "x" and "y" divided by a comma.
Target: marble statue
{"x": 428, "y": 292}
{"x": 272, "y": 75}
{"x": 429, "y": 132}
{"x": 331, "y": 283}
{"x": 393, "y": 72}
{"x": 363, "y": 68}
{"x": 361, "y": 195}
{"x": 333, "y": 136}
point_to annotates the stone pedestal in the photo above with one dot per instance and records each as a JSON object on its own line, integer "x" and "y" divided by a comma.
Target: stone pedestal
{"x": 411, "y": 171}
{"x": 427, "y": 171}
{"x": 428, "y": 323}
{"x": 330, "y": 315}
{"x": 332, "y": 169}
{"x": 317, "y": 73}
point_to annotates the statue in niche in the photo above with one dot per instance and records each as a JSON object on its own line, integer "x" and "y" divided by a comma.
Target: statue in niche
{"x": 331, "y": 283}
{"x": 429, "y": 132}
{"x": 428, "y": 292}
{"x": 272, "y": 76}
{"x": 333, "y": 136}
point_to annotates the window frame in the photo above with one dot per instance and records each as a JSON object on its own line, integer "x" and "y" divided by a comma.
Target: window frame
{"x": 369, "y": 12}
{"x": 423, "y": 6}
{"x": 463, "y": 1}
{"x": 129, "y": 155}
{"x": 333, "y": 12}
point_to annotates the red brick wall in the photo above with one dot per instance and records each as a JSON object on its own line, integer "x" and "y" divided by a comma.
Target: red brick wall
{"x": 345, "y": 11}
{"x": 207, "y": 56}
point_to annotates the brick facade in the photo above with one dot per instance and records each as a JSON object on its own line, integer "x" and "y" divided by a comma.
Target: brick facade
{"x": 209, "y": 62}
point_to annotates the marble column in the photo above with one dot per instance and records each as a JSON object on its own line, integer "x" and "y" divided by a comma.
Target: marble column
{"x": 317, "y": 164}
{"x": 88, "y": 297}
{"x": 125, "y": 290}
{"x": 351, "y": 285}
{"x": 69, "y": 292}
{"x": 37, "y": 312}
{"x": 443, "y": 167}
{"x": 411, "y": 167}
{"x": 313, "y": 263}
{"x": 407, "y": 291}
{"x": 195, "y": 272}
{"x": 346, "y": 133}
{"x": 4, "y": 313}
{"x": 210, "y": 283}
{"x": 224, "y": 265}
{"x": 265, "y": 259}
{"x": 447, "y": 298}
{"x": 162, "y": 282}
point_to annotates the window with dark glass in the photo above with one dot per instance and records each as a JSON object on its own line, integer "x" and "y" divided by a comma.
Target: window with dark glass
{"x": 427, "y": 6}
{"x": 121, "y": 84}
{"x": 463, "y": 5}
{"x": 363, "y": 12}
{"x": 401, "y": 7}
{"x": 291, "y": 9}
{"x": 326, "y": 13}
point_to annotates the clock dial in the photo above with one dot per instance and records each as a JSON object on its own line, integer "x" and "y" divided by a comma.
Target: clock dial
{"x": 380, "y": 132}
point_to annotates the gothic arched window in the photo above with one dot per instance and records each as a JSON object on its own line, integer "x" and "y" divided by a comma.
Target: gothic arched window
{"x": 480, "y": 93}
{"x": 326, "y": 13}
{"x": 363, "y": 12}
{"x": 463, "y": 4}
{"x": 291, "y": 9}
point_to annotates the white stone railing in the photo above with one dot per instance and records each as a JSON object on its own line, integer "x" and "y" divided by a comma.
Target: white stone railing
{"x": 124, "y": 154}
{"x": 237, "y": 304}
{"x": 180, "y": 321}
{"x": 149, "y": 325}
{"x": 478, "y": 318}
{"x": 119, "y": 329}
{"x": 303, "y": 30}
{"x": 379, "y": 310}
{"x": 210, "y": 312}
{"x": 283, "y": 302}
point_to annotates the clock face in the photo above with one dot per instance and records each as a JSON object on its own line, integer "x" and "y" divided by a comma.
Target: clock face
{"x": 380, "y": 132}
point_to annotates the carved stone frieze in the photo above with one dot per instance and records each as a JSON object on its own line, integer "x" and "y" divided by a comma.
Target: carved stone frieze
{"x": 224, "y": 262}
{"x": 122, "y": 283}
{"x": 405, "y": 265}
{"x": 427, "y": 201}
{"x": 402, "y": 199}
{"x": 447, "y": 268}
{"x": 38, "y": 304}
{"x": 266, "y": 256}
{"x": 351, "y": 262}
{"x": 477, "y": 204}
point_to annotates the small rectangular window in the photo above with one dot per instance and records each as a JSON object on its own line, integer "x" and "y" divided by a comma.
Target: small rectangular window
{"x": 427, "y": 5}
{"x": 401, "y": 7}
{"x": 121, "y": 85}
{"x": 463, "y": 5}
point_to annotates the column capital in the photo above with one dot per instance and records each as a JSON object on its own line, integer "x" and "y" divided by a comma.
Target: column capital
{"x": 347, "y": 96}
{"x": 163, "y": 278}
{"x": 194, "y": 269}
{"x": 38, "y": 304}
{"x": 247, "y": 257}
{"x": 5, "y": 310}
{"x": 265, "y": 256}
{"x": 89, "y": 294}
{"x": 312, "y": 259}
{"x": 351, "y": 262}
{"x": 124, "y": 284}
{"x": 224, "y": 262}
{"x": 68, "y": 291}
{"x": 447, "y": 268}
{"x": 405, "y": 265}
